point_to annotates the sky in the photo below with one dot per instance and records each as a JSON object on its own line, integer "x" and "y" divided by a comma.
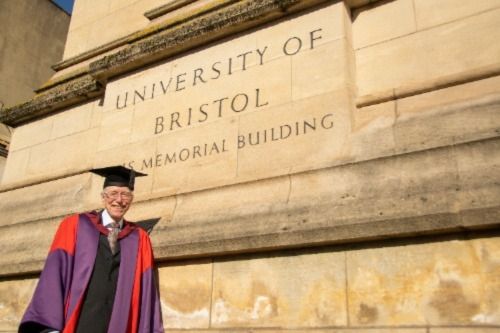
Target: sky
{"x": 67, "y": 5}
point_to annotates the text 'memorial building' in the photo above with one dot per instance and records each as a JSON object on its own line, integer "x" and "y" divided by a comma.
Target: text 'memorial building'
{"x": 315, "y": 165}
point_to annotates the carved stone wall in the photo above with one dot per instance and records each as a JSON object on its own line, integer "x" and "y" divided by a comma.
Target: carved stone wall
{"x": 317, "y": 166}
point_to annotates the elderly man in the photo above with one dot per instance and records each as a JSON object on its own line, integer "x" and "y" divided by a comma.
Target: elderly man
{"x": 98, "y": 276}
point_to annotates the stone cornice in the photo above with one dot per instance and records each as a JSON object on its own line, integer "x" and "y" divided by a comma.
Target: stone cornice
{"x": 201, "y": 30}
{"x": 169, "y": 7}
{"x": 63, "y": 95}
{"x": 148, "y": 46}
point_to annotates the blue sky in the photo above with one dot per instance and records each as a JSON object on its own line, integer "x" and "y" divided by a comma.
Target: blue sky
{"x": 67, "y": 5}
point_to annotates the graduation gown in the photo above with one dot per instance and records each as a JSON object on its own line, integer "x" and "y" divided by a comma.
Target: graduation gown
{"x": 84, "y": 288}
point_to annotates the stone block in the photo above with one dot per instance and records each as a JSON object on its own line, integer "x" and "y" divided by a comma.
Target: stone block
{"x": 479, "y": 189}
{"x": 488, "y": 252}
{"x": 31, "y": 134}
{"x": 15, "y": 296}
{"x": 419, "y": 185}
{"x": 76, "y": 42}
{"x": 373, "y": 131}
{"x": 431, "y": 13}
{"x": 470, "y": 91}
{"x": 15, "y": 167}
{"x": 382, "y": 21}
{"x": 124, "y": 21}
{"x": 241, "y": 93}
{"x": 453, "y": 123}
{"x": 116, "y": 19}
{"x": 199, "y": 158}
{"x": 321, "y": 70}
{"x": 17, "y": 258}
{"x": 260, "y": 196}
{"x": 145, "y": 208}
{"x": 72, "y": 121}
{"x": 318, "y": 27}
{"x": 64, "y": 155}
{"x": 426, "y": 56}
{"x": 462, "y": 113}
{"x": 84, "y": 13}
{"x": 145, "y": 120}
{"x": 323, "y": 118}
{"x": 433, "y": 284}
{"x": 115, "y": 129}
{"x": 464, "y": 330}
{"x": 185, "y": 293}
{"x": 133, "y": 81}
{"x": 54, "y": 198}
{"x": 302, "y": 290}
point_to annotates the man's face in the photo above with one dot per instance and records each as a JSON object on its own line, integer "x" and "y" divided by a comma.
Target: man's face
{"x": 117, "y": 200}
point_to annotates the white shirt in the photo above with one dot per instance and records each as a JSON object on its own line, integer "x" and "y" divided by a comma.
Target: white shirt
{"x": 107, "y": 219}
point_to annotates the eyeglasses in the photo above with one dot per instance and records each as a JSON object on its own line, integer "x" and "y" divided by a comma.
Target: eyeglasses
{"x": 125, "y": 196}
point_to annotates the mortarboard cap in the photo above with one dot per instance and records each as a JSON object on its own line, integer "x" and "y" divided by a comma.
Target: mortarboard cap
{"x": 118, "y": 176}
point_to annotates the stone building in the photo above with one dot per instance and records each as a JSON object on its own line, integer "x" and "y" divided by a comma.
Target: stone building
{"x": 32, "y": 39}
{"x": 317, "y": 166}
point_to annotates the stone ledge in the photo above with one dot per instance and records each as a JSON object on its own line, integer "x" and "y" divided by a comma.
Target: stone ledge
{"x": 167, "y": 8}
{"x": 141, "y": 34}
{"x": 443, "y": 190}
{"x": 201, "y": 30}
{"x": 69, "y": 93}
{"x": 427, "y": 86}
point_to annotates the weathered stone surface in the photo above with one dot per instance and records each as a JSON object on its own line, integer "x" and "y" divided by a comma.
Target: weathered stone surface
{"x": 479, "y": 157}
{"x": 454, "y": 123}
{"x": 418, "y": 193}
{"x": 46, "y": 200}
{"x": 465, "y": 330}
{"x": 373, "y": 131}
{"x": 281, "y": 291}
{"x": 319, "y": 330}
{"x": 18, "y": 258}
{"x": 14, "y": 298}
{"x": 440, "y": 283}
{"x": 76, "y": 90}
{"x": 428, "y": 192}
{"x": 186, "y": 293}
